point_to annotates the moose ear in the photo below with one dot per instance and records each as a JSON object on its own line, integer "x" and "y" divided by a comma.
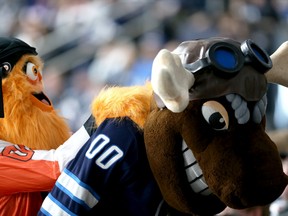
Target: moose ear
{"x": 278, "y": 73}
{"x": 171, "y": 81}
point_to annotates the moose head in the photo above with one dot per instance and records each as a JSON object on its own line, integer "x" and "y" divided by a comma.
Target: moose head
{"x": 205, "y": 136}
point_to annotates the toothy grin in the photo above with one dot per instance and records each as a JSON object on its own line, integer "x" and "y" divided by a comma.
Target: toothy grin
{"x": 193, "y": 172}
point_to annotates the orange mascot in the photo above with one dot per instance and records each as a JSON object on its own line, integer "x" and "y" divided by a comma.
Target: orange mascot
{"x": 28, "y": 116}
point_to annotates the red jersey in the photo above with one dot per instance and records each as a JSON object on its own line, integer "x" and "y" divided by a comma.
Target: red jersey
{"x": 25, "y": 172}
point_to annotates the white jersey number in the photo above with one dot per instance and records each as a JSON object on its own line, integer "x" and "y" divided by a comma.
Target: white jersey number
{"x": 108, "y": 157}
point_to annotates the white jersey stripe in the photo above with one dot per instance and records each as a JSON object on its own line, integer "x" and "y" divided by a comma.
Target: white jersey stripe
{"x": 3, "y": 144}
{"x": 77, "y": 190}
{"x": 53, "y": 207}
{"x": 67, "y": 151}
{"x": 76, "y": 199}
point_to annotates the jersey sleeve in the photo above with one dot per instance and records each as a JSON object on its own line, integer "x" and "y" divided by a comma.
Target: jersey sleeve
{"x": 110, "y": 173}
{"x": 26, "y": 170}
{"x": 21, "y": 172}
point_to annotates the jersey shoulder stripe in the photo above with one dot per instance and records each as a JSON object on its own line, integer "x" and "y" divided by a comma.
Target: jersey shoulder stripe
{"x": 77, "y": 190}
{"x": 51, "y": 207}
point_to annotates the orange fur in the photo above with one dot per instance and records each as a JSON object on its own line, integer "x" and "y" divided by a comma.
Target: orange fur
{"x": 23, "y": 122}
{"x": 133, "y": 102}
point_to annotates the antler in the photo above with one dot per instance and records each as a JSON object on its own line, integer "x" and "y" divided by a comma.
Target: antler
{"x": 279, "y": 72}
{"x": 171, "y": 81}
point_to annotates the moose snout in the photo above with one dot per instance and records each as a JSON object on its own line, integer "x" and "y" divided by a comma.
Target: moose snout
{"x": 247, "y": 173}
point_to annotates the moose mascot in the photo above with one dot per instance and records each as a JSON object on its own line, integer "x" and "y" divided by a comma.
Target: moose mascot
{"x": 191, "y": 142}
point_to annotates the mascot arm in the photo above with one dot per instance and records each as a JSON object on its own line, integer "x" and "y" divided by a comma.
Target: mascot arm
{"x": 22, "y": 169}
{"x": 26, "y": 170}
{"x": 109, "y": 176}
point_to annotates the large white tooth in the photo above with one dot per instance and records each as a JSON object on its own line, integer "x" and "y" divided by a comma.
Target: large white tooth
{"x": 188, "y": 158}
{"x": 184, "y": 145}
{"x": 199, "y": 186}
{"x": 206, "y": 192}
{"x": 194, "y": 172}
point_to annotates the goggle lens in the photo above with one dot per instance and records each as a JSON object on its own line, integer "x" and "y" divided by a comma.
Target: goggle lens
{"x": 256, "y": 55}
{"x": 225, "y": 58}
{"x": 259, "y": 53}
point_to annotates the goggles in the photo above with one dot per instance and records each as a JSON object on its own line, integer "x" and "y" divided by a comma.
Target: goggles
{"x": 228, "y": 59}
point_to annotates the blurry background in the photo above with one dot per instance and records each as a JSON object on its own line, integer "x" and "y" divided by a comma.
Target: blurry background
{"x": 87, "y": 44}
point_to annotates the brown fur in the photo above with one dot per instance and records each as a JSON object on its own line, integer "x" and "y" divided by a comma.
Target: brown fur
{"x": 233, "y": 162}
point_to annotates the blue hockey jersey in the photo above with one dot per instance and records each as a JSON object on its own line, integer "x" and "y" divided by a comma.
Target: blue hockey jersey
{"x": 110, "y": 175}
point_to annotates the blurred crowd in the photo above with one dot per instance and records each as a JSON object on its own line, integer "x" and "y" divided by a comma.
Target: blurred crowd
{"x": 89, "y": 44}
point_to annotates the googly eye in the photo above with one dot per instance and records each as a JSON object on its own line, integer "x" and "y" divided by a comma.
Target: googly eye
{"x": 32, "y": 71}
{"x": 215, "y": 115}
{"x": 6, "y": 69}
